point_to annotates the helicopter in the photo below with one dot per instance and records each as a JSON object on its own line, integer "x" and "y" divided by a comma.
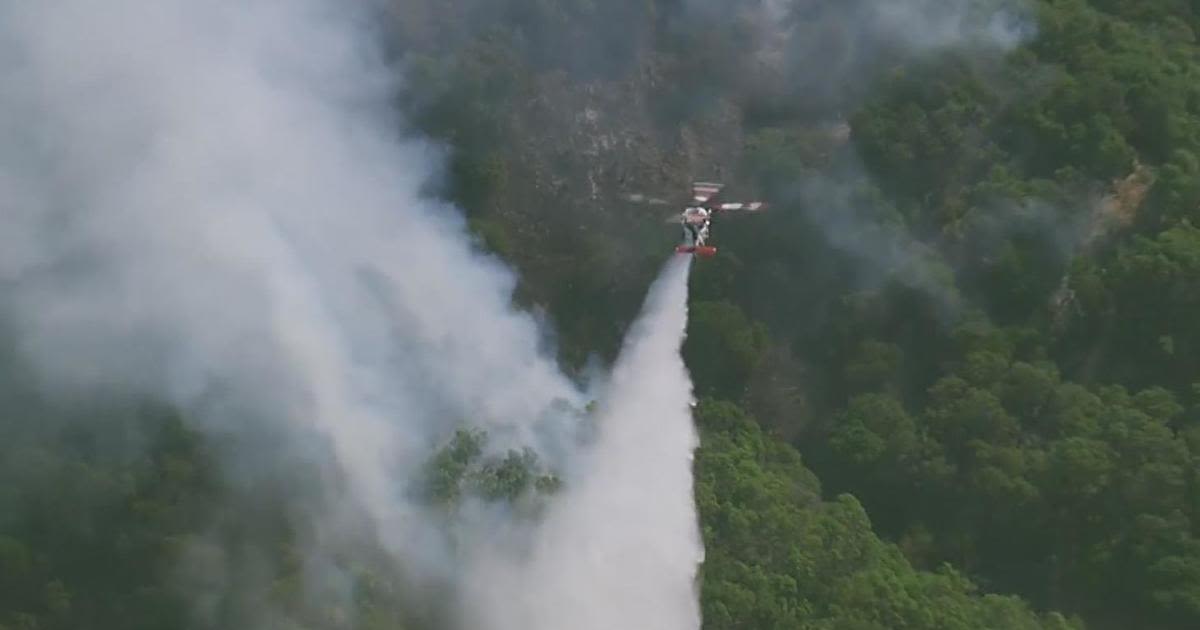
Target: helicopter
{"x": 698, "y": 214}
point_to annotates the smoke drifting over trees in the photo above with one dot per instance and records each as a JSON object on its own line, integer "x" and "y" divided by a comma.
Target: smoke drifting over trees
{"x": 303, "y": 304}
{"x": 211, "y": 209}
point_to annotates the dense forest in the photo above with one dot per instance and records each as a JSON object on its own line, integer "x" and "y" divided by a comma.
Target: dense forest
{"x": 950, "y": 380}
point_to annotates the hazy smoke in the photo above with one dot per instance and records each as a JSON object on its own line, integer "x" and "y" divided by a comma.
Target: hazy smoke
{"x": 621, "y": 548}
{"x": 207, "y": 202}
{"x": 821, "y": 57}
{"x": 865, "y": 226}
{"x": 911, "y": 24}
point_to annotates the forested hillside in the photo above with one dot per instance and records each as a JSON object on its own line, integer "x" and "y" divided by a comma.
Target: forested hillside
{"x": 951, "y": 379}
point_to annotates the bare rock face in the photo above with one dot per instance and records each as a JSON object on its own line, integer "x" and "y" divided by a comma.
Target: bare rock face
{"x": 577, "y": 152}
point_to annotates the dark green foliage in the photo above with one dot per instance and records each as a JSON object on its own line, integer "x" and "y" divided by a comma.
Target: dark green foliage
{"x": 1009, "y": 467}
{"x": 780, "y": 557}
{"x": 87, "y": 530}
{"x": 1135, "y": 317}
{"x": 118, "y": 516}
{"x": 722, "y": 348}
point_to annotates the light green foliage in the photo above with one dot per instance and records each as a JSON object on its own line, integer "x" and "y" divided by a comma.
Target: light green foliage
{"x": 462, "y": 469}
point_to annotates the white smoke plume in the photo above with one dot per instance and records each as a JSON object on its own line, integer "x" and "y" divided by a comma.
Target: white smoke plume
{"x": 208, "y": 202}
{"x": 620, "y": 549}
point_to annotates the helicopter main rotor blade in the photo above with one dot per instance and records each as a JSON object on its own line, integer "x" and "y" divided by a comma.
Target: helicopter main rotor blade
{"x": 640, "y": 198}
